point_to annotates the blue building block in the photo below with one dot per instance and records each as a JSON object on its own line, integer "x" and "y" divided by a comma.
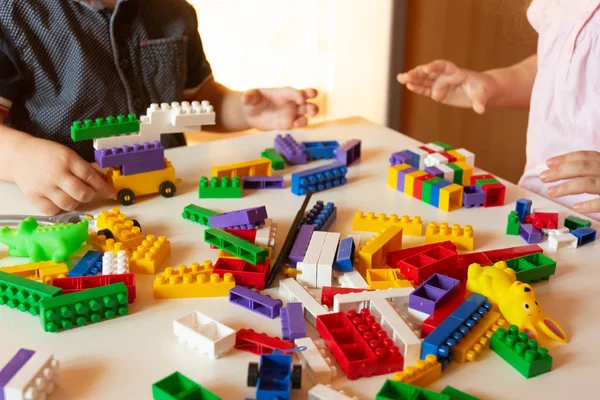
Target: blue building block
{"x": 435, "y": 192}
{"x": 89, "y": 265}
{"x": 345, "y": 256}
{"x": 318, "y": 179}
{"x": 320, "y": 150}
{"x": 441, "y": 341}
{"x": 402, "y": 157}
{"x": 321, "y": 215}
{"x": 523, "y": 208}
{"x": 584, "y": 235}
{"x": 414, "y": 158}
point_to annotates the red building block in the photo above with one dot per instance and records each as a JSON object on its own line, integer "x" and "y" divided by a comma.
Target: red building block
{"x": 329, "y": 292}
{"x": 444, "y": 311}
{"x": 245, "y": 274}
{"x": 459, "y": 271}
{"x": 450, "y": 157}
{"x": 246, "y": 234}
{"x": 394, "y": 257}
{"x": 539, "y": 220}
{"x": 495, "y": 194}
{"x": 418, "y": 188}
{"x": 421, "y": 266}
{"x": 476, "y": 178}
{"x": 512, "y": 252}
{"x": 77, "y": 284}
{"x": 259, "y": 343}
{"x": 427, "y": 149}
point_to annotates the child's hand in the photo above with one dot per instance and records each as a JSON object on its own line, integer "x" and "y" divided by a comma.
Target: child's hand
{"x": 444, "y": 82}
{"x": 278, "y": 108}
{"x": 581, "y": 169}
{"x": 54, "y": 177}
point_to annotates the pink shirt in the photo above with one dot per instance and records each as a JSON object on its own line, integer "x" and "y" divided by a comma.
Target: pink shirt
{"x": 565, "y": 103}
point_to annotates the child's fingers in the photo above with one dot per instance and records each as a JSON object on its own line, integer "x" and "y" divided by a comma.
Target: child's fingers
{"x": 573, "y": 156}
{"x": 570, "y": 170}
{"x": 300, "y": 122}
{"x": 61, "y": 199}
{"x": 414, "y": 76}
{"x": 439, "y": 67}
{"x": 422, "y": 90}
{"x": 587, "y": 207}
{"x": 45, "y": 206}
{"x": 589, "y": 184}
{"x": 91, "y": 177}
{"x": 310, "y": 93}
{"x": 75, "y": 188}
{"x": 311, "y": 109}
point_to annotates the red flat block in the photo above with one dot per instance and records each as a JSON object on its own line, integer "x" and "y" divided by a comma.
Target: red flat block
{"x": 245, "y": 274}
{"x": 418, "y": 187}
{"x": 329, "y": 292}
{"x": 427, "y": 149}
{"x": 512, "y": 252}
{"x": 541, "y": 220}
{"x": 441, "y": 313}
{"x": 77, "y": 284}
{"x": 394, "y": 257}
{"x": 450, "y": 157}
{"x": 476, "y": 178}
{"x": 459, "y": 270}
{"x": 259, "y": 343}
{"x": 495, "y": 194}
{"x": 421, "y": 266}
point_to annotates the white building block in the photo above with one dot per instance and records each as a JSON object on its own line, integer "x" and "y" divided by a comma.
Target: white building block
{"x": 352, "y": 279}
{"x": 358, "y": 301}
{"x": 192, "y": 114}
{"x": 125, "y": 140}
{"x": 469, "y": 157}
{"x": 112, "y": 264}
{"x": 326, "y": 392}
{"x": 205, "y": 334}
{"x": 265, "y": 235}
{"x": 293, "y": 291}
{"x": 448, "y": 172}
{"x": 435, "y": 160}
{"x": 35, "y": 380}
{"x": 562, "y": 241}
{"x": 422, "y": 155}
{"x": 434, "y": 147}
{"x": 559, "y": 231}
{"x": 319, "y": 367}
{"x": 308, "y": 266}
{"x": 326, "y": 259}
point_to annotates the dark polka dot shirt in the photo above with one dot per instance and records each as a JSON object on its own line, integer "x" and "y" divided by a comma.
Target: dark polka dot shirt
{"x": 68, "y": 60}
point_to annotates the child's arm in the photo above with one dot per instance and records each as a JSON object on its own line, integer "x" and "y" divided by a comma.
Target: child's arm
{"x": 444, "y": 82}
{"x": 51, "y": 176}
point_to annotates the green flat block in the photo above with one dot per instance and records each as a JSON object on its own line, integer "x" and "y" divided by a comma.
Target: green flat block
{"x": 481, "y": 182}
{"x": 523, "y": 354}
{"x": 458, "y": 173}
{"x": 104, "y": 127}
{"x": 444, "y": 145}
{"x": 24, "y": 294}
{"x": 220, "y": 188}
{"x": 198, "y": 214}
{"x": 572, "y": 222}
{"x": 532, "y": 268}
{"x": 513, "y": 225}
{"x": 179, "y": 387}
{"x": 392, "y": 390}
{"x": 234, "y": 245}
{"x": 79, "y": 308}
{"x": 426, "y": 189}
{"x": 457, "y": 394}
{"x": 277, "y": 161}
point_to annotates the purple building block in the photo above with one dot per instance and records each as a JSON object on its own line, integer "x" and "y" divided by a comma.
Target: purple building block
{"x": 530, "y": 234}
{"x": 322, "y": 216}
{"x": 301, "y": 244}
{"x": 432, "y": 293}
{"x": 248, "y": 218}
{"x": 348, "y": 152}
{"x": 345, "y": 255}
{"x": 263, "y": 182}
{"x": 401, "y": 157}
{"x": 402, "y": 176}
{"x": 148, "y": 166}
{"x": 435, "y": 171}
{"x": 136, "y": 154}
{"x": 291, "y": 150}
{"x": 12, "y": 367}
{"x": 255, "y": 301}
{"x": 292, "y": 322}
{"x": 473, "y": 196}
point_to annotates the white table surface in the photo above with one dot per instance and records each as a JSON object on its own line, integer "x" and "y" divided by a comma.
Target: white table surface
{"x": 121, "y": 358}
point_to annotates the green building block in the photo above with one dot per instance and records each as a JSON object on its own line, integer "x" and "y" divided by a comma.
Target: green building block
{"x": 481, "y": 182}
{"x": 104, "y": 127}
{"x": 392, "y": 390}
{"x": 179, "y": 387}
{"x": 24, "y": 294}
{"x": 80, "y": 308}
{"x": 234, "y": 245}
{"x": 277, "y": 161}
{"x": 198, "y": 214}
{"x": 520, "y": 352}
{"x": 457, "y": 394}
{"x": 220, "y": 188}
{"x": 532, "y": 268}
{"x": 444, "y": 145}
{"x": 513, "y": 225}
{"x": 426, "y": 189}
{"x": 458, "y": 173}
{"x": 572, "y": 222}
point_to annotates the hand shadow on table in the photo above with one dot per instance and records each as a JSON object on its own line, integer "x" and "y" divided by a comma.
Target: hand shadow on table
{"x": 78, "y": 370}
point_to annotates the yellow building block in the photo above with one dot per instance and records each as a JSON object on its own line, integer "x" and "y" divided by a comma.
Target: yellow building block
{"x": 478, "y": 338}
{"x": 409, "y": 182}
{"x": 121, "y": 228}
{"x": 457, "y": 155}
{"x": 33, "y": 271}
{"x": 101, "y": 243}
{"x": 206, "y": 268}
{"x": 451, "y": 197}
{"x": 260, "y": 167}
{"x": 467, "y": 172}
{"x": 150, "y": 255}
{"x": 386, "y": 278}
{"x": 422, "y": 374}
{"x": 143, "y": 183}
{"x": 189, "y": 286}
{"x": 371, "y": 223}
{"x": 463, "y": 238}
{"x": 392, "y": 178}
{"x": 373, "y": 253}
{"x": 49, "y": 273}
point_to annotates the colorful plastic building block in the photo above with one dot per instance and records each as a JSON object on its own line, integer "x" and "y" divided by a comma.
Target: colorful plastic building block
{"x": 512, "y": 252}
{"x": 29, "y": 375}
{"x": 532, "y": 268}
{"x": 584, "y": 235}
{"x": 260, "y": 167}
{"x": 392, "y": 390}
{"x": 443, "y": 311}
{"x": 348, "y": 152}
{"x": 572, "y": 222}
{"x": 520, "y": 352}
{"x": 203, "y": 333}
{"x": 255, "y": 301}
{"x": 244, "y": 273}
{"x": 248, "y": 218}
{"x": 513, "y": 225}
{"x": 422, "y": 374}
{"x": 308, "y": 268}
{"x": 134, "y": 159}
{"x": 328, "y": 293}
{"x": 456, "y": 394}
{"x": 358, "y": 301}
{"x": 115, "y": 225}
{"x": 320, "y": 150}
{"x": 353, "y": 280}
{"x": 427, "y": 189}
{"x": 385, "y": 278}
{"x": 345, "y": 256}
{"x": 530, "y": 234}
{"x": 220, "y": 188}
{"x": 177, "y": 386}
{"x": 234, "y": 245}
{"x": 318, "y": 179}
{"x": 292, "y": 322}
{"x": 473, "y": 196}
{"x": 198, "y": 214}
{"x": 78, "y": 284}
{"x": 371, "y": 223}
{"x": 542, "y": 219}
{"x": 321, "y": 215}
{"x": 523, "y": 208}
{"x": 301, "y": 244}
{"x": 259, "y": 343}
{"x": 402, "y": 157}
{"x": 373, "y": 253}
{"x": 102, "y": 244}
{"x": 562, "y": 241}
{"x": 150, "y": 255}
{"x": 88, "y": 306}
{"x": 432, "y": 293}
{"x": 275, "y": 376}
{"x": 263, "y": 182}
{"x": 43, "y": 271}
{"x": 478, "y": 338}
{"x": 451, "y": 197}
{"x": 23, "y": 294}
{"x": 411, "y": 178}
{"x": 104, "y": 127}
{"x": 44, "y": 242}
{"x": 395, "y": 178}
{"x": 89, "y": 265}
{"x": 293, "y": 153}
{"x": 295, "y": 292}
{"x": 495, "y": 193}
{"x": 319, "y": 368}
{"x": 115, "y": 264}
{"x": 437, "y": 259}
{"x": 463, "y": 238}
{"x": 326, "y": 392}
{"x": 277, "y": 161}
{"x": 171, "y": 286}
{"x": 327, "y": 259}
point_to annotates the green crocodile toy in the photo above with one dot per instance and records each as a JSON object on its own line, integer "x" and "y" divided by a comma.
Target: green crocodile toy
{"x": 44, "y": 243}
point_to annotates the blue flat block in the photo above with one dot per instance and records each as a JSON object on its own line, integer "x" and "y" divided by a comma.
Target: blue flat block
{"x": 320, "y": 150}
{"x": 345, "y": 256}
{"x": 415, "y": 158}
{"x": 318, "y": 179}
{"x": 584, "y": 235}
{"x": 435, "y": 192}
{"x": 89, "y": 265}
{"x": 402, "y": 177}
{"x": 470, "y": 305}
{"x": 523, "y": 208}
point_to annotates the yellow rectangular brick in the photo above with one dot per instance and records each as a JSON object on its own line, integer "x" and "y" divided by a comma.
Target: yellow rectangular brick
{"x": 150, "y": 255}
{"x": 371, "y": 223}
{"x": 451, "y": 197}
{"x": 197, "y": 283}
{"x": 463, "y": 238}
{"x": 422, "y": 374}
{"x": 260, "y": 167}
{"x": 457, "y": 155}
{"x": 409, "y": 181}
{"x": 32, "y": 270}
{"x": 373, "y": 253}
{"x": 478, "y": 338}
{"x": 392, "y": 178}
{"x": 467, "y": 172}
{"x": 386, "y": 278}
{"x": 49, "y": 273}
